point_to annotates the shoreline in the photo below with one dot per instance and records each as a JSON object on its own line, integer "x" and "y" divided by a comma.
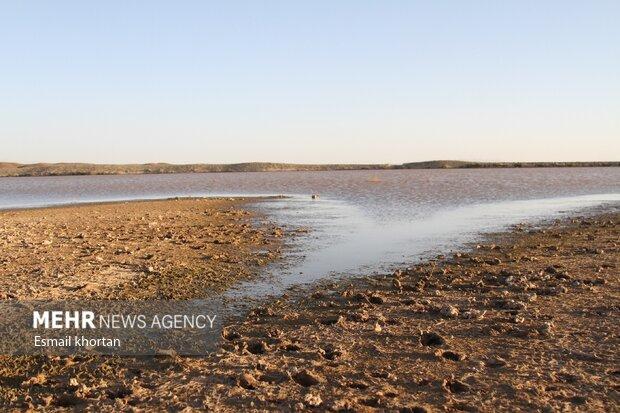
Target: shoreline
{"x": 238, "y": 199}
{"x": 142, "y": 249}
{"x": 10, "y": 169}
{"x": 525, "y": 321}
{"x": 492, "y": 331}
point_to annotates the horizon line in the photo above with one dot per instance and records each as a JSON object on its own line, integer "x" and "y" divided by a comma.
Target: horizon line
{"x": 8, "y": 169}
{"x": 456, "y": 161}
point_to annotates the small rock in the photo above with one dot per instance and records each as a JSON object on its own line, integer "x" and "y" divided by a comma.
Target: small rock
{"x": 317, "y": 295}
{"x": 449, "y": 311}
{"x": 509, "y": 304}
{"x": 247, "y": 381}
{"x": 474, "y": 314}
{"x": 313, "y": 400}
{"x": 456, "y": 386}
{"x": 451, "y": 355}
{"x": 333, "y": 320}
{"x": 376, "y": 299}
{"x": 230, "y": 335}
{"x": 118, "y": 391}
{"x": 308, "y": 378}
{"x": 359, "y": 384}
{"x": 291, "y": 346}
{"x": 429, "y": 338}
{"x": 551, "y": 269}
{"x": 579, "y": 400}
{"x": 397, "y": 284}
{"x": 546, "y": 329}
{"x": 166, "y": 352}
{"x": 257, "y": 347}
{"x": 360, "y": 316}
{"x": 263, "y": 311}
{"x": 67, "y": 400}
{"x": 414, "y": 409}
{"x": 39, "y": 379}
{"x": 495, "y": 362}
{"x": 331, "y": 352}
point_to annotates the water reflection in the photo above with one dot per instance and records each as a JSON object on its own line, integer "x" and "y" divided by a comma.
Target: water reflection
{"x": 347, "y": 242}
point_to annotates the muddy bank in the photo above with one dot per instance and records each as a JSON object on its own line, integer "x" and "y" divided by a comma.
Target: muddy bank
{"x": 184, "y": 248}
{"x": 526, "y": 323}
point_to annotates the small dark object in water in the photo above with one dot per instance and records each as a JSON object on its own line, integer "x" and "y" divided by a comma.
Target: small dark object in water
{"x": 315, "y": 196}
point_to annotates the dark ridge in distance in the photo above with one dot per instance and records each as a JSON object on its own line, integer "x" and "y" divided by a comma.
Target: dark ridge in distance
{"x": 8, "y": 169}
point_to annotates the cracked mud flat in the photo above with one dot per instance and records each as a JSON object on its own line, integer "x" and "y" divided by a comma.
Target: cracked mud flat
{"x": 526, "y": 323}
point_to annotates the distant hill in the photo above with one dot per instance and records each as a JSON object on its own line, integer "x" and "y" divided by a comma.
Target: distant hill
{"x": 468, "y": 164}
{"x": 55, "y": 169}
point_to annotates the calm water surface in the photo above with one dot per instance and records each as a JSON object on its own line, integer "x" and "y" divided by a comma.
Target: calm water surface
{"x": 364, "y": 220}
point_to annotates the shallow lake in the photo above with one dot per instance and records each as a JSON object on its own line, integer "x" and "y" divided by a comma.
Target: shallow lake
{"x": 363, "y": 221}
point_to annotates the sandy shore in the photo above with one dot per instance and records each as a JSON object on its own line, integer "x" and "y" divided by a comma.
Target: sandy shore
{"x": 527, "y": 322}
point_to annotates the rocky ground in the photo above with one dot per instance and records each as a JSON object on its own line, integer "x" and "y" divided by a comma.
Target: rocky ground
{"x": 527, "y": 321}
{"x": 184, "y": 248}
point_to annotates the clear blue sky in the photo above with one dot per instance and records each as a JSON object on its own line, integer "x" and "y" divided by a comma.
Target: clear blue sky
{"x": 315, "y": 81}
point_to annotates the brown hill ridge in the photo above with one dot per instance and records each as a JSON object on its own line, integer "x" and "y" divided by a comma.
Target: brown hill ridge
{"x": 55, "y": 169}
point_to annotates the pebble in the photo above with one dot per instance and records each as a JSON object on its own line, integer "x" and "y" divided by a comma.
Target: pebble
{"x": 376, "y": 299}
{"x": 313, "y": 400}
{"x": 257, "y": 347}
{"x": 496, "y": 362}
{"x": 415, "y": 409}
{"x": 474, "y": 314}
{"x": 331, "y": 352}
{"x": 452, "y": 355}
{"x": 333, "y": 320}
{"x": 546, "y": 329}
{"x": 230, "y": 335}
{"x": 449, "y": 311}
{"x": 247, "y": 381}
{"x": 308, "y": 378}
{"x": 509, "y": 304}
{"x": 456, "y": 386}
{"x": 397, "y": 284}
{"x": 429, "y": 338}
